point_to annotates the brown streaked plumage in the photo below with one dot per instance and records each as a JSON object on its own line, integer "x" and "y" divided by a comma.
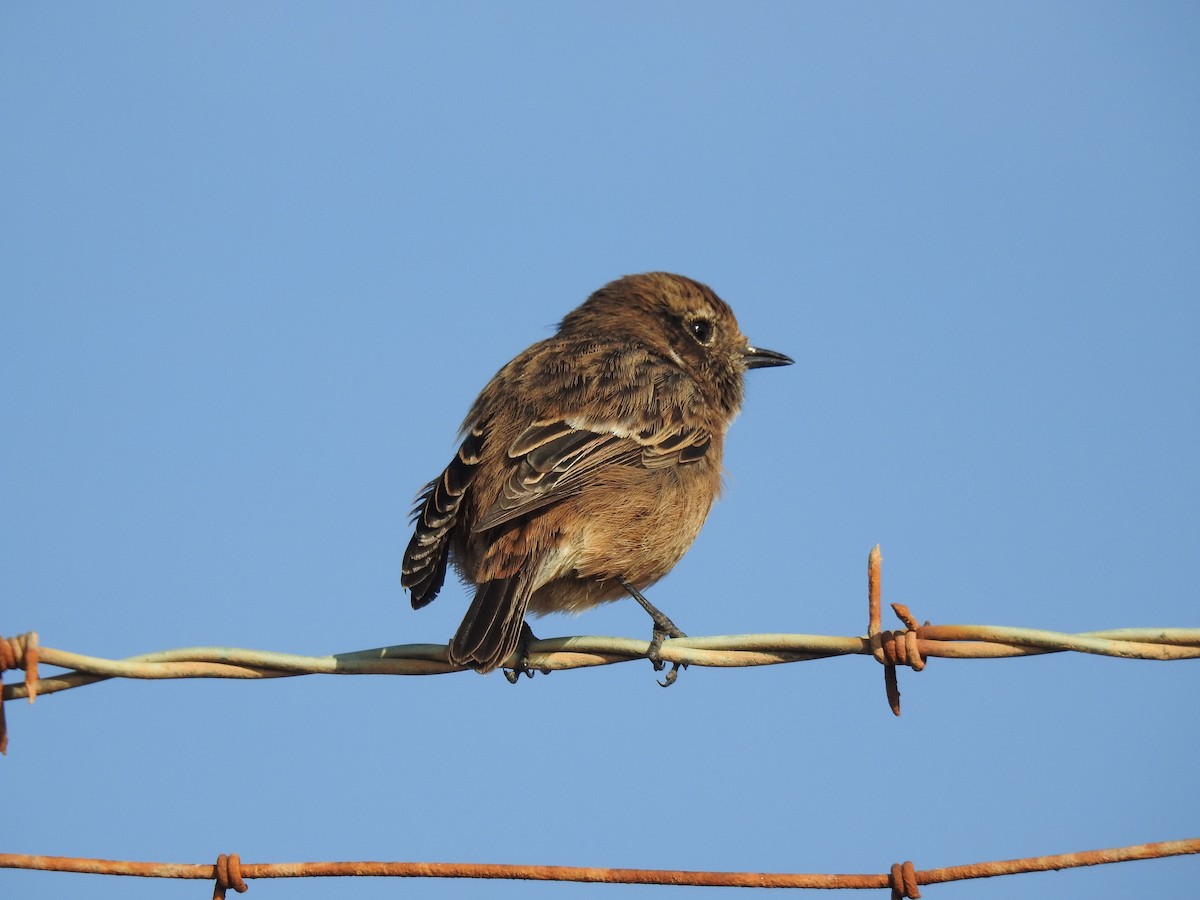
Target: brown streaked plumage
{"x": 590, "y": 460}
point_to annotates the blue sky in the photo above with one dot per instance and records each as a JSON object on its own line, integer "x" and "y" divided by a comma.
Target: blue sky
{"x": 259, "y": 258}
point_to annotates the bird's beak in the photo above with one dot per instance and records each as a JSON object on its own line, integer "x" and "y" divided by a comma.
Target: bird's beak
{"x": 757, "y": 358}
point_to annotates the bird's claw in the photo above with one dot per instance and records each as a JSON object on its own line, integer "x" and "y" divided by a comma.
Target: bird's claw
{"x": 522, "y": 667}
{"x": 663, "y": 629}
{"x": 654, "y": 651}
{"x": 514, "y": 674}
{"x": 670, "y": 676}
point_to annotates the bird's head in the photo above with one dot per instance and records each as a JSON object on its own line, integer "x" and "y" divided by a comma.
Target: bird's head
{"x": 680, "y": 320}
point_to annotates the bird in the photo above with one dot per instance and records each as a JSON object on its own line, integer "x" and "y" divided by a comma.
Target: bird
{"x": 587, "y": 465}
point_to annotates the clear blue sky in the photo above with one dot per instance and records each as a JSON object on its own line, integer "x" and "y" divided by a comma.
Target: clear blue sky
{"x": 258, "y": 258}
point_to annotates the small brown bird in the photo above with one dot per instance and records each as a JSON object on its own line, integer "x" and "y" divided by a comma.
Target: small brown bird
{"x": 588, "y": 465}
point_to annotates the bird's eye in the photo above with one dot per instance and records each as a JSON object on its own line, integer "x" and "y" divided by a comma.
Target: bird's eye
{"x": 702, "y": 330}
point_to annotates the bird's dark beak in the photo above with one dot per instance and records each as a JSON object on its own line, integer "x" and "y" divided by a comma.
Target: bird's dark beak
{"x": 757, "y": 358}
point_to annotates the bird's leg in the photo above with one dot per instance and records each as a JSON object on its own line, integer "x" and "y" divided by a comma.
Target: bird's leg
{"x": 522, "y": 667}
{"x": 663, "y": 629}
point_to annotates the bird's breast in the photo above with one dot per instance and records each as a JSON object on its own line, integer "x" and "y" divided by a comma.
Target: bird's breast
{"x": 635, "y": 524}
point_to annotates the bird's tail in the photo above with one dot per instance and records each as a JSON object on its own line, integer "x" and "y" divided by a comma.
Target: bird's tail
{"x": 491, "y": 629}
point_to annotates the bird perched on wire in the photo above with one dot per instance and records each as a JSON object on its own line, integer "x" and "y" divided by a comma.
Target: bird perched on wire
{"x": 588, "y": 464}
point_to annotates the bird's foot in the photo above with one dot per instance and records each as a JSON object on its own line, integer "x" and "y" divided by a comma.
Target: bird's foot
{"x": 514, "y": 674}
{"x": 663, "y": 628}
{"x": 669, "y": 678}
{"x": 522, "y": 667}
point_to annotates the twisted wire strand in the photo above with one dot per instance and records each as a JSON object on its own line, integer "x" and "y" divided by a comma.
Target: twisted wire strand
{"x": 900, "y": 648}
{"x": 911, "y": 646}
{"x": 554, "y": 654}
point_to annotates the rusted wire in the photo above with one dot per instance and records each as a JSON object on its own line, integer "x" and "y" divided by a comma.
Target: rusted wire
{"x": 20, "y": 652}
{"x": 903, "y": 879}
{"x": 884, "y": 644}
{"x": 228, "y": 874}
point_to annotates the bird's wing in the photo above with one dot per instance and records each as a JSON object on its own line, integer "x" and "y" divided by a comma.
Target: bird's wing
{"x": 552, "y": 460}
{"x": 435, "y": 516}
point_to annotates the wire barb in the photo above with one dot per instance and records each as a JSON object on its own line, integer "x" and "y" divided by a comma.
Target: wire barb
{"x": 890, "y": 648}
{"x": 228, "y": 874}
{"x": 903, "y": 880}
{"x": 20, "y": 652}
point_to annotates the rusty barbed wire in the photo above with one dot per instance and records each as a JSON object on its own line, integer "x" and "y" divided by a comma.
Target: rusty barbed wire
{"x": 903, "y": 879}
{"x": 911, "y": 646}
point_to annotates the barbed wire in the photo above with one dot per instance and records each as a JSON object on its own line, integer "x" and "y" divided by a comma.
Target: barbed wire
{"x": 903, "y": 879}
{"x": 910, "y": 646}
